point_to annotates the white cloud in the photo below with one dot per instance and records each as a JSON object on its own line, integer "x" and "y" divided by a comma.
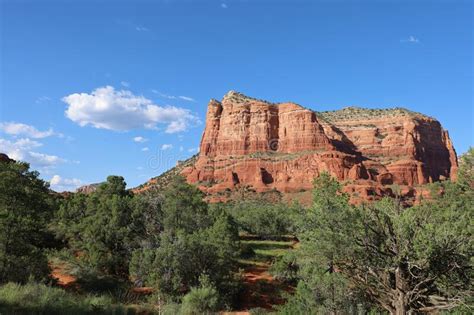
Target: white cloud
{"x": 187, "y": 98}
{"x": 44, "y": 160}
{"x": 21, "y": 150}
{"x": 125, "y": 84}
{"x": 411, "y": 39}
{"x": 140, "y": 168}
{"x": 107, "y": 108}
{"x": 192, "y": 150}
{"x": 141, "y": 28}
{"x": 140, "y": 139}
{"x": 19, "y": 129}
{"x": 58, "y": 183}
{"x": 224, "y": 6}
{"x": 172, "y": 97}
{"x": 181, "y": 149}
{"x": 166, "y": 147}
{"x": 145, "y": 149}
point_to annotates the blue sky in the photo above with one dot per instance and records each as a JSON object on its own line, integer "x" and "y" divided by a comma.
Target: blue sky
{"x": 93, "y": 88}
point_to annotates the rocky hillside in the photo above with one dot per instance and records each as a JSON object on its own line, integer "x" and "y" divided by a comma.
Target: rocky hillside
{"x": 161, "y": 181}
{"x": 253, "y": 143}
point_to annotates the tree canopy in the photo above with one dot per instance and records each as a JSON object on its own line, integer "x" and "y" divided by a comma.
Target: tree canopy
{"x": 25, "y": 208}
{"x": 405, "y": 260}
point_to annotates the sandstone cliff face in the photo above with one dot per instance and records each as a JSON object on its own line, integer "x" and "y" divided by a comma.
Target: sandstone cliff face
{"x": 253, "y": 143}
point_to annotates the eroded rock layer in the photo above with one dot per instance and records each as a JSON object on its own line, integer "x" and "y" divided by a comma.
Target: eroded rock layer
{"x": 264, "y": 146}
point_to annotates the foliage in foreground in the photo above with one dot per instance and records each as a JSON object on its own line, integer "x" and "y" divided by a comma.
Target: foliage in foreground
{"x": 417, "y": 259}
{"x": 201, "y": 300}
{"x": 193, "y": 242}
{"x": 41, "y": 299}
{"x": 25, "y": 208}
{"x": 100, "y": 228}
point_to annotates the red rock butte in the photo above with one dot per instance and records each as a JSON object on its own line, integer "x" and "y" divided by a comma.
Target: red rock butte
{"x": 284, "y": 146}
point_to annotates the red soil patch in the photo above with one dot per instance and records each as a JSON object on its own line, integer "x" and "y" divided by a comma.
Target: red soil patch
{"x": 260, "y": 290}
{"x": 143, "y": 290}
{"x": 67, "y": 281}
{"x": 256, "y": 273}
{"x": 64, "y": 279}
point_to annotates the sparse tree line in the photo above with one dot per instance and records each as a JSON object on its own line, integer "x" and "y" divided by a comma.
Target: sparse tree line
{"x": 376, "y": 257}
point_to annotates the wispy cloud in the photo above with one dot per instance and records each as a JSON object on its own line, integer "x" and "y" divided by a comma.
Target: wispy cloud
{"x": 107, "y": 108}
{"x": 187, "y": 98}
{"x": 224, "y": 6}
{"x": 42, "y": 99}
{"x": 125, "y": 84}
{"x": 172, "y": 97}
{"x": 140, "y": 139}
{"x": 19, "y": 129}
{"x": 166, "y": 147}
{"x": 145, "y": 149}
{"x": 59, "y": 183}
{"x": 140, "y": 28}
{"x": 192, "y": 150}
{"x": 411, "y": 39}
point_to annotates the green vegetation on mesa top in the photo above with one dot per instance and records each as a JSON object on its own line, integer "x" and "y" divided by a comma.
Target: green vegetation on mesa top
{"x": 238, "y": 97}
{"x": 360, "y": 113}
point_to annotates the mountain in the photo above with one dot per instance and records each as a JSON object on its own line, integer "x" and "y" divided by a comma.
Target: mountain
{"x": 283, "y": 146}
{"x": 88, "y": 189}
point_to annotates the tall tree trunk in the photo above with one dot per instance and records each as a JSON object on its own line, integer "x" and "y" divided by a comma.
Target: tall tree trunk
{"x": 400, "y": 303}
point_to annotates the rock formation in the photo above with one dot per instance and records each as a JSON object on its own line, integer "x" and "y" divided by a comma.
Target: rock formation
{"x": 88, "y": 189}
{"x": 5, "y": 158}
{"x": 253, "y": 143}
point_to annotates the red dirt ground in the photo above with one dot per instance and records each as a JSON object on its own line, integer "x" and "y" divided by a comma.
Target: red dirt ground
{"x": 261, "y": 290}
{"x": 64, "y": 280}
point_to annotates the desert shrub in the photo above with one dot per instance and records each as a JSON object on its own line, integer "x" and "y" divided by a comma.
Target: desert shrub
{"x": 201, "y": 300}
{"x": 285, "y": 268}
{"x": 262, "y": 218}
{"x": 42, "y": 299}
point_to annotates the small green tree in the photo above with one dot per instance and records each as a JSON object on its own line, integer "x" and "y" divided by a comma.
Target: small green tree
{"x": 184, "y": 207}
{"x": 417, "y": 259}
{"x": 322, "y": 229}
{"x": 192, "y": 242}
{"x": 25, "y": 208}
{"x": 100, "y": 227}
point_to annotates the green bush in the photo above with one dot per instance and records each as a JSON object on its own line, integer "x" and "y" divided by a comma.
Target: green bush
{"x": 201, "y": 300}
{"x": 194, "y": 241}
{"x": 102, "y": 226}
{"x": 262, "y": 218}
{"x": 285, "y": 268}
{"x": 41, "y": 299}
